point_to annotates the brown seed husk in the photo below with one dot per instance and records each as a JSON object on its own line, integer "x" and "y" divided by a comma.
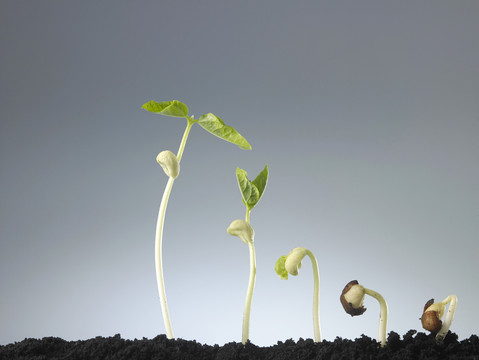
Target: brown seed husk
{"x": 348, "y": 307}
{"x": 431, "y": 322}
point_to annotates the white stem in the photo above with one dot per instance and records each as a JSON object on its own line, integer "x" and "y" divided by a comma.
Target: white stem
{"x": 317, "y": 329}
{"x": 249, "y": 293}
{"x": 452, "y": 301}
{"x": 383, "y": 315}
{"x": 158, "y": 257}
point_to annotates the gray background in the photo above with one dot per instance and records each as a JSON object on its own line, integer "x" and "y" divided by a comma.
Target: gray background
{"x": 366, "y": 112}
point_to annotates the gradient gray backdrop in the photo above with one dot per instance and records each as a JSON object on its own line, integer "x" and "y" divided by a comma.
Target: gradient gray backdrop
{"x": 366, "y": 112}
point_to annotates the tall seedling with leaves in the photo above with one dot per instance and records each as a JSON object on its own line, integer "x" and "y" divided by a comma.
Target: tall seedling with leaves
{"x": 251, "y": 192}
{"x": 171, "y": 165}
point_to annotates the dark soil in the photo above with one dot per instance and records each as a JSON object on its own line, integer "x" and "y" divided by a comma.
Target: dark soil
{"x": 411, "y": 346}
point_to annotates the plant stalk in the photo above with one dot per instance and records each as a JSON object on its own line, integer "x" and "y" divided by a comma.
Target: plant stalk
{"x": 249, "y": 293}
{"x": 317, "y": 329}
{"x": 383, "y": 315}
{"x": 251, "y": 283}
{"x": 159, "y": 239}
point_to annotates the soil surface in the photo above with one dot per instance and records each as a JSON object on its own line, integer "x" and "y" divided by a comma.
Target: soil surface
{"x": 411, "y": 346}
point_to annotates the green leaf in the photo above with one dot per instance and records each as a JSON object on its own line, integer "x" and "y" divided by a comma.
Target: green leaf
{"x": 280, "y": 268}
{"x": 168, "y": 108}
{"x": 251, "y": 191}
{"x": 217, "y": 127}
{"x": 261, "y": 180}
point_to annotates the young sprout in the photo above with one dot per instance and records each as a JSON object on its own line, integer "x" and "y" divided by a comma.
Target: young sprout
{"x": 433, "y": 313}
{"x": 291, "y": 263}
{"x": 171, "y": 166}
{"x": 352, "y": 298}
{"x": 251, "y": 192}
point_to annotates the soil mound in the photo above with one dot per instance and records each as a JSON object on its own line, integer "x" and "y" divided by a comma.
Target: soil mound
{"x": 411, "y": 346}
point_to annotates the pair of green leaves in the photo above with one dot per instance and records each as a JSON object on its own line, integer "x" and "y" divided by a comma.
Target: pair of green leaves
{"x": 251, "y": 191}
{"x": 209, "y": 122}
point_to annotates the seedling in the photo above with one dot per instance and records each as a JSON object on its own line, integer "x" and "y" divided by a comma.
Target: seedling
{"x": 433, "y": 313}
{"x": 251, "y": 192}
{"x": 171, "y": 165}
{"x": 291, "y": 263}
{"x": 352, "y": 298}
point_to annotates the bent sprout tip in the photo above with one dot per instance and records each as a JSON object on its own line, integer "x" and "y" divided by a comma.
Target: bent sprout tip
{"x": 433, "y": 313}
{"x": 352, "y": 298}
{"x": 290, "y": 264}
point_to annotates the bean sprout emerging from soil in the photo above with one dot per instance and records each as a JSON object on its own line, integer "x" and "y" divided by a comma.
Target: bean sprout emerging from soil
{"x": 352, "y": 298}
{"x": 251, "y": 192}
{"x": 433, "y": 313}
{"x": 290, "y": 264}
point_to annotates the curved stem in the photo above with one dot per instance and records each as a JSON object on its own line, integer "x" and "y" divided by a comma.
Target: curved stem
{"x": 159, "y": 238}
{"x": 383, "y": 315}
{"x": 316, "y": 326}
{"x": 249, "y": 293}
{"x": 452, "y": 301}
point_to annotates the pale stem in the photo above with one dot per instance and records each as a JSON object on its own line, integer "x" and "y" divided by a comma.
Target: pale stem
{"x": 249, "y": 293}
{"x": 183, "y": 140}
{"x": 248, "y": 211}
{"x": 383, "y": 315}
{"x": 159, "y": 239}
{"x": 317, "y": 330}
{"x": 452, "y": 301}
{"x": 158, "y": 258}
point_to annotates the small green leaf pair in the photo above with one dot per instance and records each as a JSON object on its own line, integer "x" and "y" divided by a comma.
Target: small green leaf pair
{"x": 280, "y": 267}
{"x": 251, "y": 191}
{"x": 210, "y": 122}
